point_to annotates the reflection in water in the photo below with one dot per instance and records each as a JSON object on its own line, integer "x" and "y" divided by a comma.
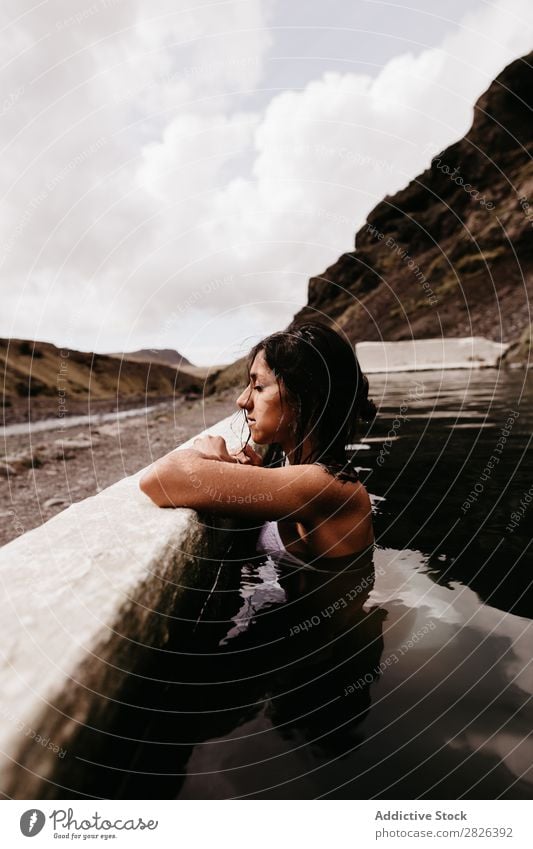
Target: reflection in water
{"x": 435, "y": 466}
{"x": 372, "y": 683}
{"x": 265, "y": 700}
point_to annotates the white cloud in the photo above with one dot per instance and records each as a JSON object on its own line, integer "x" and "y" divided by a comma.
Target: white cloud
{"x": 137, "y": 175}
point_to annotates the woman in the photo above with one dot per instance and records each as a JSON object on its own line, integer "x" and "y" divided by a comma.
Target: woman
{"x": 289, "y": 654}
{"x": 305, "y": 395}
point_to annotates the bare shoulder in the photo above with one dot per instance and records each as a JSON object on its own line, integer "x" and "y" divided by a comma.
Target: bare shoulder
{"x": 345, "y": 524}
{"x": 343, "y": 490}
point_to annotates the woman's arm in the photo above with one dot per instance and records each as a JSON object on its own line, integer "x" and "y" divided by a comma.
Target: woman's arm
{"x": 186, "y": 478}
{"x": 215, "y": 448}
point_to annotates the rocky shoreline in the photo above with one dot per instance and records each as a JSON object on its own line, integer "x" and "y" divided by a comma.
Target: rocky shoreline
{"x": 47, "y": 471}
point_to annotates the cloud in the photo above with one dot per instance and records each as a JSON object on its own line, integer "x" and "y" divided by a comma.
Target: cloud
{"x": 141, "y": 170}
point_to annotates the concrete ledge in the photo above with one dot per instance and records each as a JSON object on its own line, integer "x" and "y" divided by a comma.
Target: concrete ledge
{"x": 83, "y": 597}
{"x": 428, "y": 354}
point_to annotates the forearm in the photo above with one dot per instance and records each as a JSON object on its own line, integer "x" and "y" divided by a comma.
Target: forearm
{"x": 173, "y": 466}
{"x": 176, "y": 459}
{"x": 172, "y": 475}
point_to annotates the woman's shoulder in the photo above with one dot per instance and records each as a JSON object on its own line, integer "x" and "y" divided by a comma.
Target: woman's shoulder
{"x": 336, "y": 489}
{"x": 340, "y": 471}
{"x": 340, "y": 480}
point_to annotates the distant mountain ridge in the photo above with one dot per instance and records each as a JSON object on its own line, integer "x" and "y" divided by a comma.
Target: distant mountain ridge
{"x": 167, "y": 356}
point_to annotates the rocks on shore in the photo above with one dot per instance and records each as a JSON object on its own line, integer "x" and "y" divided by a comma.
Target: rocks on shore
{"x": 123, "y": 447}
{"x": 56, "y": 502}
{"x": 70, "y": 442}
{"x": 63, "y": 448}
{"x": 13, "y": 464}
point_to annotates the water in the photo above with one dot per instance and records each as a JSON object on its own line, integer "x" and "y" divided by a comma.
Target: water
{"x": 73, "y": 421}
{"x": 412, "y": 677}
{"x": 440, "y": 497}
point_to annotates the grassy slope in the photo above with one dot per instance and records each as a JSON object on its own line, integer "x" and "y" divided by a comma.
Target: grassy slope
{"x": 41, "y": 369}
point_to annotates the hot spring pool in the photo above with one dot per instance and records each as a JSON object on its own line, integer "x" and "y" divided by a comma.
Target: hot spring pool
{"x": 411, "y": 678}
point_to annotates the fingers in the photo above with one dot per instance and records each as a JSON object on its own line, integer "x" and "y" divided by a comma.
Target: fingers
{"x": 239, "y": 455}
{"x": 250, "y": 456}
{"x": 211, "y": 447}
{"x": 251, "y": 452}
{"x": 215, "y": 447}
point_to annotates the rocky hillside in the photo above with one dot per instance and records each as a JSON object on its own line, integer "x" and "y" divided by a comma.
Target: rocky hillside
{"x": 40, "y": 369}
{"x": 452, "y": 253}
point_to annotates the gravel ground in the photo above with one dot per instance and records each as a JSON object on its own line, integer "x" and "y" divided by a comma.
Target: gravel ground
{"x": 44, "y": 472}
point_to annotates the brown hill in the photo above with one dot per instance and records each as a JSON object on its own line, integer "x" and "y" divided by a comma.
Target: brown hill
{"x": 451, "y": 254}
{"x": 227, "y": 377}
{"x": 41, "y": 369}
{"x": 166, "y": 356}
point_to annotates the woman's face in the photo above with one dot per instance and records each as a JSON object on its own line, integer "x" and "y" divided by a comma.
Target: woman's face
{"x": 268, "y": 420}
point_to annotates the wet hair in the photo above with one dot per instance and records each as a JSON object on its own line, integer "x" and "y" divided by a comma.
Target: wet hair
{"x": 325, "y": 388}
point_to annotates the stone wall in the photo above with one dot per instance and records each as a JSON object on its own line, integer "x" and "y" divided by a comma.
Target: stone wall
{"x": 85, "y": 598}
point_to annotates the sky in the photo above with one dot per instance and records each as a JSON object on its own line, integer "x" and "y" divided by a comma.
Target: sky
{"x": 173, "y": 172}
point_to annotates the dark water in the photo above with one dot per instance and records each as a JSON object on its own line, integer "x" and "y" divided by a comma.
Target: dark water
{"x": 456, "y": 424}
{"x": 412, "y": 677}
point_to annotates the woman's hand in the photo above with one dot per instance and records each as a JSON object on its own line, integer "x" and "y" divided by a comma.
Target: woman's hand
{"x": 213, "y": 448}
{"x": 248, "y": 457}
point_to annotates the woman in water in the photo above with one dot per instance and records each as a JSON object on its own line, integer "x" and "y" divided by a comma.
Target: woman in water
{"x": 304, "y": 398}
{"x": 303, "y": 643}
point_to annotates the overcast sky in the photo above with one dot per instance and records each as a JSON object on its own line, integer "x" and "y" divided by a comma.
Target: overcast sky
{"x": 174, "y": 171}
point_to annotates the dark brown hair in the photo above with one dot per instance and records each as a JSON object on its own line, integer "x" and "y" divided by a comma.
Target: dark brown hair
{"x": 325, "y": 386}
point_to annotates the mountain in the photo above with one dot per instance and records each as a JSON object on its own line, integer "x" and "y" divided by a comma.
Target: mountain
{"x": 450, "y": 254}
{"x": 40, "y": 369}
{"x": 167, "y": 356}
